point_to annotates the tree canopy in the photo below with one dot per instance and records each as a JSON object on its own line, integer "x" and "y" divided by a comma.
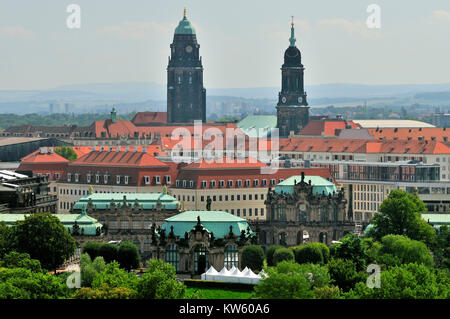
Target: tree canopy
{"x": 44, "y": 238}
{"x": 400, "y": 214}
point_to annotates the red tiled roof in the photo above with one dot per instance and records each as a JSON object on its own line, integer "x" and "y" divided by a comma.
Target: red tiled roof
{"x": 142, "y": 118}
{"x": 425, "y": 133}
{"x": 227, "y": 163}
{"x": 325, "y": 128}
{"x": 363, "y": 146}
{"x": 122, "y": 158}
{"x": 37, "y": 157}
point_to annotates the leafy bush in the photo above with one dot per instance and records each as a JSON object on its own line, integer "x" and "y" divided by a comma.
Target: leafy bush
{"x": 67, "y": 152}
{"x": 343, "y": 273}
{"x": 159, "y": 282}
{"x": 114, "y": 277}
{"x": 406, "y": 250}
{"x": 327, "y": 292}
{"x": 18, "y": 260}
{"x": 90, "y": 268}
{"x": 410, "y": 281}
{"x": 109, "y": 252}
{"x": 92, "y": 248}
{"x": 315, "y": 253}
{"x": 350, "y": 248}
{"x": 289, "y": 280}
{"x": 283, "y": 254}
{"x": 269, "y": 254}
{"x": 128, "y": 255}
{"x": 21, "y": 283}
{"x": 105, "y": 292}
{"x": 253, "y": 257}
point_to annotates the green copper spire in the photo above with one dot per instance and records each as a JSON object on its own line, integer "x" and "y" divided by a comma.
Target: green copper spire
{"x": 292, "y": 38}
{"x": 185, "y": 27}
{"x": 113, "y": 115}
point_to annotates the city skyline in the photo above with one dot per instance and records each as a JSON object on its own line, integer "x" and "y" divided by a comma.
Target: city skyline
{"x": 240, "y": 47}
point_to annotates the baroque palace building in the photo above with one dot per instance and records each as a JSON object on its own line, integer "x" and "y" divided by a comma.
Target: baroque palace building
{"x": 304, "y": 208}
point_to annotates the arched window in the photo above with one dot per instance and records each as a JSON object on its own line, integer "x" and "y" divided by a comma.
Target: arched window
{"x": 231, "y": 257}
{"x": 262, "y": 237}
{"x": 173, "y": 256}
{"x": 323, "y": 237}
{"x": 200, "y": 259}
{"x": 282, "y": 237}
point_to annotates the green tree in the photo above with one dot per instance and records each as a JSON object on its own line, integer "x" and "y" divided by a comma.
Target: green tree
{"x": 89, "y": 269}
{"x": 283, "y": 254}
{"x": 408, "y": 281}
{"x": 18, "y": 260}
{"x": 113, "y": 276}
{"x": 327, "y": 292}
{"x": 105, "y": 292}
{"x": 7, "y": 239}
{"x": 128, "y": 256}
{"x": 159, "y": 282}
{"x": 109, "y": 252}
{"x": 400, "y": 214}
{"x": 21, "y": 283}
{"x": 289, "y": 280}
{"x": 405, "y": 250}
{"x": 441, "y": 248}
{"x": 269, "y": 254}
{"x": 44, "y": 237}
{"x": 67, "y": 152}
{"x": 253, "y": 257}
{"x": 316, "y": 253}
{"x": 92, "y": 248}
{"x": 350, "y": 248}
{"x": 343, "y": 273}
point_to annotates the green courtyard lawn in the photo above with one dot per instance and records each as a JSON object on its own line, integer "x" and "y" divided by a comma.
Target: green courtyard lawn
{"x": 214, "y": 293}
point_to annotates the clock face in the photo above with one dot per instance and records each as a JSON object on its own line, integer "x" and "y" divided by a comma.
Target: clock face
{"x": 283, "y": 99}
{"x": 302, "y": 207}
{"x": 300, "y": 99}
{"x": 188, "y": 49}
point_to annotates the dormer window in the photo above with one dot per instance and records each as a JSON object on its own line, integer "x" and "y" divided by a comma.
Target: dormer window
{"x": 239, "y": 183}
{"x": 247, "y": 183}
{"x": 221, "y": 183}
{"x": 168, "y": 179}
{"x": 203, "y": 184}
{"x": 191, "y": 184}
{"x": 177, "y": 183}
{"x": 118, "y": 179}
{"x": 69, "y": 177}
{"x": 213, "y": 184}
{"x": 158, "y": 179}
{"x": 230, "y": 183}
{"x": 256, "y": 182}
{"x": 97, "y": 178}
{"x": 126, "y": 180}
{"x": 147, "y": 180}
{"x": 88, "y": 177}
{"x": 184, "y": 183}
{"x": 77, "y": 177}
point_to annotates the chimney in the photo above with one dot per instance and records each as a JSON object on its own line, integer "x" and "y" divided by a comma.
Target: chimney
{"x": 50, "y": 150}
{"x": 42, "y": 150}
{"x": 118, "y": 148}
{"x": 109, "y": 149}
{"x": 102, "y": 148}
{"x": 93, "y": 149}
{"x": 127, "y": 149}
{"x": 135, "y": 149}
{"x": 144, "y": 149}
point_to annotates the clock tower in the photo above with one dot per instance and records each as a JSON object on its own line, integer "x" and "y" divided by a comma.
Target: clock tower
{"x": 186, "y": 96}
{"x": 292, "y": 107}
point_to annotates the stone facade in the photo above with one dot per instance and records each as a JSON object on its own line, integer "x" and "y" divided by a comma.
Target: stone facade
{"x": 301, "y": 217}
{"x": 199, "y": 249}
{"x": 122, "y": 221}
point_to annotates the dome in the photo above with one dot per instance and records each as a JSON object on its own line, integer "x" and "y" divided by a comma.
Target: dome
{"x": 185, "y": 27}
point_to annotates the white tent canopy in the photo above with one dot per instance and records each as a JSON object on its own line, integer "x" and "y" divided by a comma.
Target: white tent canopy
{"x": 246, "y": 276}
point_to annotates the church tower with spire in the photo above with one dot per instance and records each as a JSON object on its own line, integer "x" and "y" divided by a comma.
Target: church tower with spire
{"x": 186, "y": 96}
{"x": 292, "y": 107}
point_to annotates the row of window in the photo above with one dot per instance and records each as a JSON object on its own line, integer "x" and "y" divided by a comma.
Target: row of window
{"x": 229, "y": 183}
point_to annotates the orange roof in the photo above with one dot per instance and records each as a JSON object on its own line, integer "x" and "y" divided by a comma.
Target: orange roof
{"x": 37, "y": 157}
{"x": 363, "y": 146}
{"x": 149, "y": 117}
{"x": 121, "y": 158}
{"x": 326, "y": 128}
{"x": 425, "y": 133}
{"x": 225, "y": 163}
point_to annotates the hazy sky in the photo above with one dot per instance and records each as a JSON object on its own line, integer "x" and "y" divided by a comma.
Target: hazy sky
{"x": 242, "y": 42}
